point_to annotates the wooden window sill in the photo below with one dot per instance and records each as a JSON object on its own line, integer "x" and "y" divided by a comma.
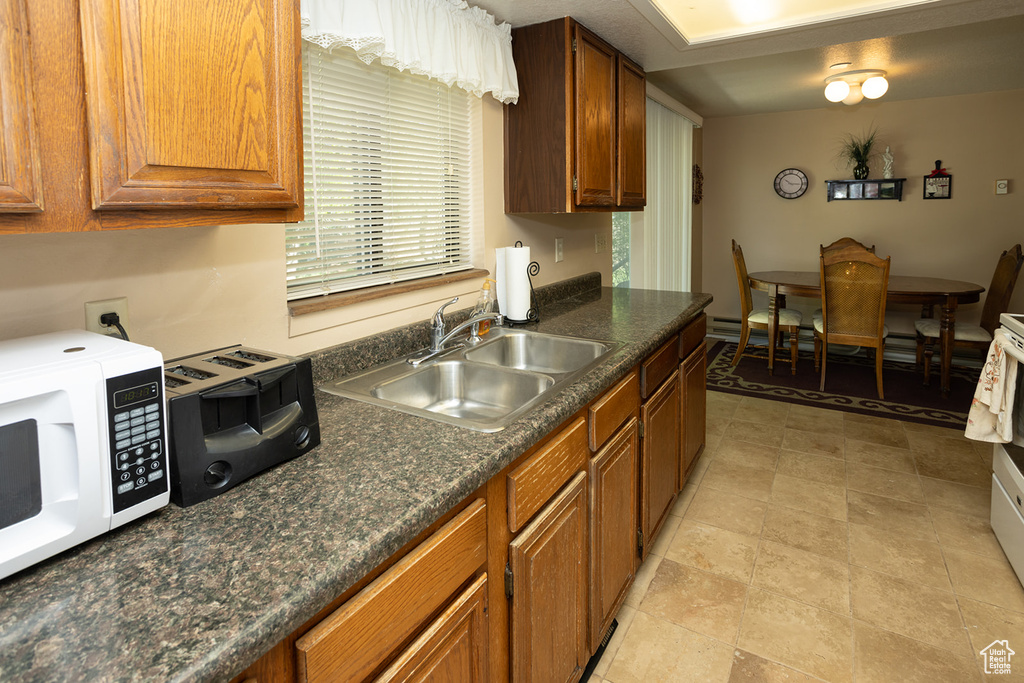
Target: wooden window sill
{"x": 329, "y": 301}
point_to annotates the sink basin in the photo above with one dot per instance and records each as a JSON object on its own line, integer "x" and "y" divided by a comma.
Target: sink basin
{"x": 536, "y": 352}
{"x": 467, "y": 391}
{"x": 484, "y": 388}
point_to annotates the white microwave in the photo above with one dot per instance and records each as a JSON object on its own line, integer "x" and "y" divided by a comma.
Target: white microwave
{"x": 83, "y": 445}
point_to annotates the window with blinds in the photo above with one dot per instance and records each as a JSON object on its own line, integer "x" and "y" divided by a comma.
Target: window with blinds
{"x": 387, "y": 157}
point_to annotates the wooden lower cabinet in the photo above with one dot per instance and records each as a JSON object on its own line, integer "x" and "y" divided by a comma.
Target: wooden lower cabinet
{"x": 693, "y": 415}
{"x": 548, "y": 563}
{"x": 659, "y": 459}
{"x": 369, "y": 630}
{"x": 453, "y": 648}
{"x": 613, "y": 528}
{"x": 521, "y": 580}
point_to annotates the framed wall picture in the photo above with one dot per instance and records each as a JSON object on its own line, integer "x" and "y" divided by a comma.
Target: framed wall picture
{"x": 938, "y": 184}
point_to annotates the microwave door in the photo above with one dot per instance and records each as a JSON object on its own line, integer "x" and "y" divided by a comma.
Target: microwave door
{"x": 52, "y": 494}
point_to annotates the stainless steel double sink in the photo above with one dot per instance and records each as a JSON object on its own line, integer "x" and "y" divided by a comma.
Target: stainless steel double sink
{"x": 485, "y": 387}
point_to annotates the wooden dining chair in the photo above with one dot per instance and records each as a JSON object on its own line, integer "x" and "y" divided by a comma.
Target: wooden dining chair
{"x": 844, "y": 242}
{"x": 757, "y": 318}
{"x": 854, "y": 283}
{"x": 976, "y": 337}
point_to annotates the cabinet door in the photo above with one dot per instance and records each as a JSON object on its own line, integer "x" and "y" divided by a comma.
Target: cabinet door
{"x": 20, "y": 171}
{"x": 613, "y": 527}
{"x": 596, "y": 69}
{"x": 549, "y": 595}
{"x": 693, "y": 418}
{"x": 659, "y": 459}
{"x": 453, "y": 648}
{"x": 193, "y": 103}
{"x": 365, "y": 632}
{"x": 632, "y": 138}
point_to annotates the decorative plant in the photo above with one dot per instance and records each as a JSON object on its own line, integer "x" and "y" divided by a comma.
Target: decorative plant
{"x": 857, "y": 151}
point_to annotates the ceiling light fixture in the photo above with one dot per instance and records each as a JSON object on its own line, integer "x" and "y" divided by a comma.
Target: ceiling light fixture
{"x": 851, "y": 87}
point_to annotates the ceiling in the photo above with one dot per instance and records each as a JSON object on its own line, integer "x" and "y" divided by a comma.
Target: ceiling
{"x": 929, "y": 49}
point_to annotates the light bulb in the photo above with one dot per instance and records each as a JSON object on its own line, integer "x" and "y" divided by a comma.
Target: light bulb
{"x": 836, "y": 91}
{"x": 855, "y": 95}
{"x": 875, "y": 87}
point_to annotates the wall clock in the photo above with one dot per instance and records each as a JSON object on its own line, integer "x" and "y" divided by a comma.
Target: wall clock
{"x": 791, "y": 183}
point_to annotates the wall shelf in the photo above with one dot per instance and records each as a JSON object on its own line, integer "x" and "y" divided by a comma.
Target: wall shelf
{"x": 884, "y": 188}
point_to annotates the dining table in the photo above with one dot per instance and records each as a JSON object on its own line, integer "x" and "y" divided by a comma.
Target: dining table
{"x": 927, "y": 292}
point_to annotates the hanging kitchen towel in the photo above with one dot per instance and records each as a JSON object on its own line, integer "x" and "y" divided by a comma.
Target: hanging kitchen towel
{"x": 990, "y": 417}
{"x": 517, "y": 283}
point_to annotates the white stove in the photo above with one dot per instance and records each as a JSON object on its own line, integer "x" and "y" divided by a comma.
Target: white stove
{"x": 1008, "y": 460}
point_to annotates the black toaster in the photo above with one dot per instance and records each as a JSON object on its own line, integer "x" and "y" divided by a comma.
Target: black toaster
{"x": 233, "y": 413}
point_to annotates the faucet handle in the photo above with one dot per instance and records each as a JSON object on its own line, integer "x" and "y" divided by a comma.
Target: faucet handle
{"x": 438, "y": 319}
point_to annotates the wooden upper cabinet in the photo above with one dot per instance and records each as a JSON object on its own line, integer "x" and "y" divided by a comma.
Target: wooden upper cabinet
{"x": 20, "y": 170}
{"x": 596, "y": 73}
{"x": 632, "y": 135}
{"x": 575, "y": 140}
{"x": 192, "y": 104}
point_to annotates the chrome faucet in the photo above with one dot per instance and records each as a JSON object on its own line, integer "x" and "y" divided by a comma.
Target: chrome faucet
{"x": 439, "y": 337}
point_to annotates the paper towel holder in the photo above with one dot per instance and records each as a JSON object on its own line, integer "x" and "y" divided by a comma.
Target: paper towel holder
{"x": 533, "y": 314}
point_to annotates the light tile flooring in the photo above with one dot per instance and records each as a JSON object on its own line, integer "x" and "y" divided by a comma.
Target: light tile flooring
{"x": 813, "y": 544}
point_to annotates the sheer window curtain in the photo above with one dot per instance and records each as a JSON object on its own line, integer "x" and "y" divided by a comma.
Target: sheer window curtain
{"x": 660, "y": 236}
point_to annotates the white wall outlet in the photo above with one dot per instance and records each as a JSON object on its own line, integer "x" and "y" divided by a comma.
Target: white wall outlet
{"x": 559, "y": 256}
{"x": 1002, "y": 186}
{"x": 94, "y": 309}
{"x": 600, "y": 243}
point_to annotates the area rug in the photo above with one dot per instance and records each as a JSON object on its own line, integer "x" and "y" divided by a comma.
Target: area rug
{"x": 850, "y": 386}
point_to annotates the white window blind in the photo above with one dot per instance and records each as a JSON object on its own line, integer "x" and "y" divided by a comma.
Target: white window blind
{"x": 387, "y": 181}
{"x": 660, "y": 248}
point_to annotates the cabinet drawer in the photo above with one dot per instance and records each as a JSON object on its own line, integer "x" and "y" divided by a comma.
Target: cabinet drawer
{"x": 658, "y": 366}
{"x": 612, "y": 409}
{"x": 534, "y": 482}
{"x": 357, "y": 638}
{"x": 693, "y": 335}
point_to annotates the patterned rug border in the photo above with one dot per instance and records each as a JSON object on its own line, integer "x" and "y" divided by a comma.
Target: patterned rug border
{"x": 721, "y": 378}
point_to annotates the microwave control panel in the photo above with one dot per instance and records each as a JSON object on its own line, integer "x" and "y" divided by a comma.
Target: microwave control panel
{"x": 137, "y": 430}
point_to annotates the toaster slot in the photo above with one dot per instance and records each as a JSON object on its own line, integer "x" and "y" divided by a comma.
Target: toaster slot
{"x": 228, "y": 362}
{"x": 174, "y": 382}
{"x": 191, "y": 373}
{"x": 250, "y": 356}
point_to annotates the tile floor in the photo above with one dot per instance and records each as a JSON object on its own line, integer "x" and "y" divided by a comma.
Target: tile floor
{"x": 817, "y": 545}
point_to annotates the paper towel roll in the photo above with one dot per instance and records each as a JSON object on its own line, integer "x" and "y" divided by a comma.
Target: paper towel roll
{"x": 499, "y": 280}
{"x": 517, "y": 282}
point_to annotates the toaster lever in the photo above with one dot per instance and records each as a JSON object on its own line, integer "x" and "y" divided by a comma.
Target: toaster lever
{"x": 233, "y": 390}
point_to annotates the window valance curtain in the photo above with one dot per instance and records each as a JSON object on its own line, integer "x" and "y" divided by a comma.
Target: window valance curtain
{"x": 443, "y": 39}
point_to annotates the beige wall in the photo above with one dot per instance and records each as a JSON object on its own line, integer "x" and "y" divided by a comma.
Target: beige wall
{"x": 193, "y": 289}
{"x": 979, "y": 139}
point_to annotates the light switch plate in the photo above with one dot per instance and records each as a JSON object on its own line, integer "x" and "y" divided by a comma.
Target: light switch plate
{"x": 559, "y": 257}
{"x": 1002, "y": 186}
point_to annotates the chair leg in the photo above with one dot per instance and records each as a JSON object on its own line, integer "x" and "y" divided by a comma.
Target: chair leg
{"x": 744, "y": 336}
{"x": 919, "y": 355}
{"x": 878, "y": 371}
{"x": 927, "y": 365}
{"x": 794, "y": 345}
{"x": 824, "y": 360}
{"x": 817, "y": 353}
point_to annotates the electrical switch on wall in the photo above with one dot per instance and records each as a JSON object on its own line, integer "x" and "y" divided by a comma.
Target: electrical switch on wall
{"x": 559, "y": 257}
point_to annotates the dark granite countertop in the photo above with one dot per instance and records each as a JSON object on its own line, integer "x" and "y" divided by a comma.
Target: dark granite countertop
{"x": 200, "y": 593}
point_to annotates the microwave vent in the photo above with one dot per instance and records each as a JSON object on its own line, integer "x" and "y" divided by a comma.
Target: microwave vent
{"x": 228, "y": 362}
